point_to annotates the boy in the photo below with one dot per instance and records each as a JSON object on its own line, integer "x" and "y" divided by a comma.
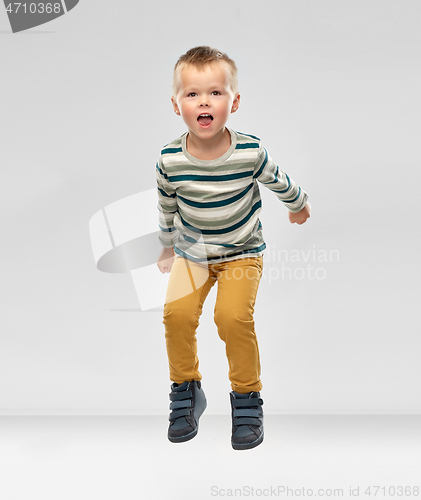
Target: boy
{"x": 209, "y": 202}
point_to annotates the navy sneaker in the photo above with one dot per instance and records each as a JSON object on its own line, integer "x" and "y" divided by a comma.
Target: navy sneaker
{"x": 247, "y": 420}
{"x": 188, "y": 402}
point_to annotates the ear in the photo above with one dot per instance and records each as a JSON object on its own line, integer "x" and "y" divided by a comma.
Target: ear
{"x": 236, "y": 103}
{"x": 175, "y": 106}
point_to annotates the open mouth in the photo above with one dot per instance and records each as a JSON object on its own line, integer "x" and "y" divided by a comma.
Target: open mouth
{"x": 205, "y": 119}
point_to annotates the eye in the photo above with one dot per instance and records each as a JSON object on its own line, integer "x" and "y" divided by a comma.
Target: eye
{"x": 216, "y": 92}
{"x": 191, "y": 94}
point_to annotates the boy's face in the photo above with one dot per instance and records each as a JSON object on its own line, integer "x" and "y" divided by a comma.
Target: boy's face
{"x": 205, "y": 92}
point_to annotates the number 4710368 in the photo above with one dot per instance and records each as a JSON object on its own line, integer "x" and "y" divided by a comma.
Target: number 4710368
{"x": 34, "y": 8}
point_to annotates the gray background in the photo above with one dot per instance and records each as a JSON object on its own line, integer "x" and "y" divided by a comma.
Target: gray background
{"x": 333, "y": 90}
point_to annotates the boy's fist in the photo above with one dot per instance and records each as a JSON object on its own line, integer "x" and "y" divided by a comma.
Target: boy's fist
{"x": 165, "y": 260}
{"x": 301, "y": 216}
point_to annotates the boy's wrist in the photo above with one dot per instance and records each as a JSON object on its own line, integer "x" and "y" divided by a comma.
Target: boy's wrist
{"x": 303, "y": 206}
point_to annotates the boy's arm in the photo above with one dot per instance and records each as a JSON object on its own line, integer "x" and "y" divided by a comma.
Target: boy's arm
{"x": 287, "y": 191}
{"x": 167, "y": 207}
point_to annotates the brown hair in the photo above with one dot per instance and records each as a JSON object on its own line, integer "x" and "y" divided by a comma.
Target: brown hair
{"x": 199, "y": 57}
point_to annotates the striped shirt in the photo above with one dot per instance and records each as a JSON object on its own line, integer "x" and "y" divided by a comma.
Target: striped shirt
{"x": 209, "y": 209}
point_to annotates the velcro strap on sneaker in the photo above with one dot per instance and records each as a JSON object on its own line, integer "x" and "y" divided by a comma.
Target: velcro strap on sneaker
{"x": 247, "y": 412}
{"x": 177, "y": 396}
{"x": 178, "y": 413}
{"x": 180, "y": 404}
{"x": 247, "y": 421}
{"x": 236, "y": 403}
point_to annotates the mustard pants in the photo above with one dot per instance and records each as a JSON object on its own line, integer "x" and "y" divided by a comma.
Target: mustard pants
{"x": 188, "y": 287}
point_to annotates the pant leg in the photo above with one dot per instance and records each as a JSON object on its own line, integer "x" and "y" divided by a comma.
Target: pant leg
{"x": 238, "y": 282}
{"x": 188, "y": 287}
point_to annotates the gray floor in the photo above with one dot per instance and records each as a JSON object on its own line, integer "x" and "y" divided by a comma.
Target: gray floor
{"x": 127, "y": 458}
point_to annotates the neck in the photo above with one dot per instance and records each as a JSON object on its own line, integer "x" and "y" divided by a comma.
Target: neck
{"x": 209, "y": 149}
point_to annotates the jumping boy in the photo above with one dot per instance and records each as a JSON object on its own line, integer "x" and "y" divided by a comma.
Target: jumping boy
{"x": 209, "y": 204}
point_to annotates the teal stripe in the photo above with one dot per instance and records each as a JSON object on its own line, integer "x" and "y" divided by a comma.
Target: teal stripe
{"x": 295, "y": 199}
{"x": 166, "y": 229}
{"x": 226, "y": 229}
{"x": 247, "y": 145}
{"x": 215, "y": 204}
{"x": 165, "y": 194}
{"x": 283, "y": 190}
{"x": 204, "y": 178}
{"x": 171, "y": 150}
{"x": 161, "y": 172}
{"x": 276, "y": 178}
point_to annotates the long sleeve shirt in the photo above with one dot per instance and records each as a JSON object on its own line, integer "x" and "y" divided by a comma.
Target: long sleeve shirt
{"x": 209, "y": 209}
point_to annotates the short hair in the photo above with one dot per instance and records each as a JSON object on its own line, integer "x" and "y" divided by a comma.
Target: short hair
{"x": 199, "y": 57}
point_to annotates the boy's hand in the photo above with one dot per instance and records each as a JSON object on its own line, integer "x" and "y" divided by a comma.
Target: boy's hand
{"x": 165, "y": 260}
{"x": 301, "y": 216}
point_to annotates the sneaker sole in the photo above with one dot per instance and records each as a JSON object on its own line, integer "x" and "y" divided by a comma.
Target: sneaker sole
{"x": 187, "y": 437}
{"x": 248, "y": 446}
{"x": 182, "y": 439}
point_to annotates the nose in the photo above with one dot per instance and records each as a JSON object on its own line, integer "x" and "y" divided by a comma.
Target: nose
{"x": 204, "y": 101}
